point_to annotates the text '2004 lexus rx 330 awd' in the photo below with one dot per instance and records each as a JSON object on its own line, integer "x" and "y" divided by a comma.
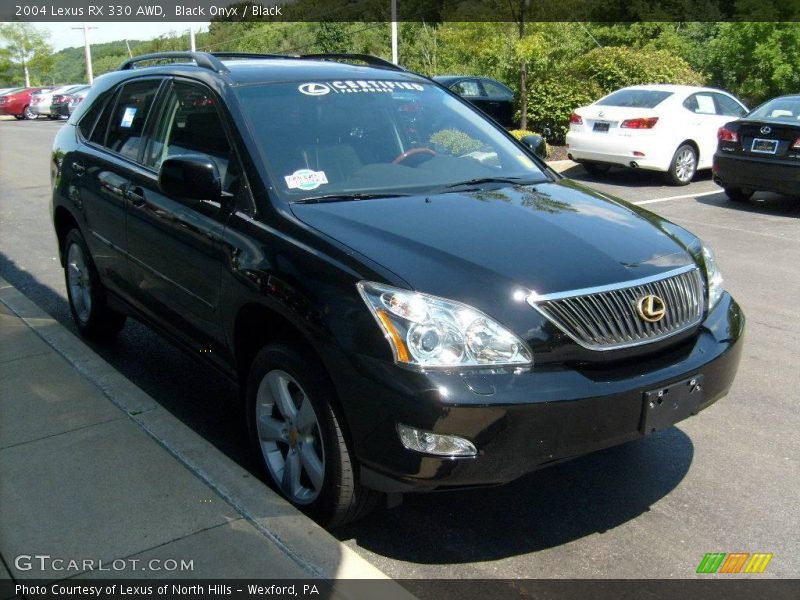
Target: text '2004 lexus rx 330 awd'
{"x": 407, "y": 297}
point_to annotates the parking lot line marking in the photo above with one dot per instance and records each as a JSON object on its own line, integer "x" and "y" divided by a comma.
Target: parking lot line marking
{"x": 641, "y": 202}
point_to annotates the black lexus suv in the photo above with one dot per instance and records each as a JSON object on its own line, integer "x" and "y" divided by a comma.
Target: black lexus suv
{"x": 408, "y": 298}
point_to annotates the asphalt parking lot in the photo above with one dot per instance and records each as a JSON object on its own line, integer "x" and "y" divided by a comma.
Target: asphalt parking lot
{"x": 727, "y": 480}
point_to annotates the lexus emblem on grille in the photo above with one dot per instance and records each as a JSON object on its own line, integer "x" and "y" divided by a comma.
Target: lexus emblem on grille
{"x": 766, "y": 129}
{"x": 651, "y": 308}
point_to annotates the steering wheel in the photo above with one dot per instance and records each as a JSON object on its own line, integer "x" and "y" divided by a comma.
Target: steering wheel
{"x": 409, "y": 153}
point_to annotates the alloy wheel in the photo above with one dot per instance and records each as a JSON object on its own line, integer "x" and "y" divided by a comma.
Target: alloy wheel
{"x": 289, "y": 437}
{"x": 685, "y": 164}
{"x": 79, "y": 282}
{"x": 29, "y": 114}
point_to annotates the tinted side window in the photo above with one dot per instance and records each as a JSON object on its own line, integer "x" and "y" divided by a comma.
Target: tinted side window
{"x": 128, "y": 117}
{"x": 86, "y": 124}
{"x": 190, "y": 124}
{"x": 700, "y": 104}
{"x": 496, "y": 91}
{"x": 469, "y": 89}
{"x": 728, "y": 106}
{"x": 101, "y": 129}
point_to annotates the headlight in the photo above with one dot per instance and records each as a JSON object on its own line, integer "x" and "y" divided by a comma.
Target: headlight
{"x": 428, "y": 331}
{"x": 714, "y": 277}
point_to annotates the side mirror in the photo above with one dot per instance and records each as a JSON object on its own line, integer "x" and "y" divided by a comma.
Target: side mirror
{"x": 191, "y": 176}
{"x": 537, "y": 144}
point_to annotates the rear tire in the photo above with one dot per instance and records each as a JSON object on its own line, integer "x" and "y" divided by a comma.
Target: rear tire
{"x": 28, "y": 114}
{"x": 683, "y": 167}
{"x": 86, "y": 295}
{"x": 739, "y": 194}
{"x": 596, "y": 169}
{"x": 299, "y": 435}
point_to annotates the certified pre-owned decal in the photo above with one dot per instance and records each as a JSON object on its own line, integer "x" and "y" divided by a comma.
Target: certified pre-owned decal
{"x": 356, "y": 86}
{"x": 305, "y": 179}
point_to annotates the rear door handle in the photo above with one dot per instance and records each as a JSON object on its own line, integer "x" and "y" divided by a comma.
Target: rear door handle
{"x": 135, "y": 197}
{"x": 78, "y": 168}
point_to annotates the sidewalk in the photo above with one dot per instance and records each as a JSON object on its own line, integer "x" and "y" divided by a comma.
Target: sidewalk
{"x": 91, "y": 468}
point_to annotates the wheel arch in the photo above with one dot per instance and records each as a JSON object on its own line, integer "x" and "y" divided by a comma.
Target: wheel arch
{"x": 257, "y": 325}
{"x": 63, "y": 221}
{"x": 693, "y": 144}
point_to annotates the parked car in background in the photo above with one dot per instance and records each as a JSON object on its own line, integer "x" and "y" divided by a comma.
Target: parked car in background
{"x": 64, "y": 104}
{"x": 668, "y": 128}
{"x": 41, "y": 101}
{"x": 18, "y": 103}
{"x": 492, "y": 97}
{"x": 761, "y": 151}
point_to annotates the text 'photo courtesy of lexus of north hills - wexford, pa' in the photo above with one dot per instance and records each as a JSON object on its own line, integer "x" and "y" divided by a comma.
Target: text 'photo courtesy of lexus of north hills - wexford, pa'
{"x": 398, "y": 316}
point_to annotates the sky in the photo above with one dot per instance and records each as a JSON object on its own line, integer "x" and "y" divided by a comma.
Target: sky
{"x": 63, "y": 36}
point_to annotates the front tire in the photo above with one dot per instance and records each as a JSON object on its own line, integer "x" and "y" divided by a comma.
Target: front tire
{"x": 738, "y": 194}
{"x": 299, "y": 435}
{"x": 86, "y": 295}
{"x": 683, "y": 166}
{"x": 28, "y": 114}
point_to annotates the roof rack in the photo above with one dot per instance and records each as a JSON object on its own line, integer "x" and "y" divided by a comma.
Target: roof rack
{"x": 373, "y": 61}
{"x": 213, "y": 62}
{"x": 201, "y": 59}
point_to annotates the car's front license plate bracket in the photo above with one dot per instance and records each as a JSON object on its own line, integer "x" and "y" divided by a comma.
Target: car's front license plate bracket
{"x": 665, "y": 406}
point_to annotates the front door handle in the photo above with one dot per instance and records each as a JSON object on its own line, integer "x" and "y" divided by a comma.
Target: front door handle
{"x": 135, "y": 197}
{"x": 78, "y": 169}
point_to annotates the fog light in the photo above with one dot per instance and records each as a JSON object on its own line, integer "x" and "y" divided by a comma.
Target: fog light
{"x": 434, "y": 443}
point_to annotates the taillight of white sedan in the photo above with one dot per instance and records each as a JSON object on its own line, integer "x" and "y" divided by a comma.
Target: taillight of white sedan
{"x": 668, "y": 128}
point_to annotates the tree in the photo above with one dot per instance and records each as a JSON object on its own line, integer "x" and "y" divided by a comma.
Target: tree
{"x": 26, "y": 45}
{"x": 757, "y": 61}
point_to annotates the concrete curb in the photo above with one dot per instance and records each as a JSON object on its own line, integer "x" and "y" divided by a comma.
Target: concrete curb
{"x": 300, "y": 538}
{"x": 561, "y": 165}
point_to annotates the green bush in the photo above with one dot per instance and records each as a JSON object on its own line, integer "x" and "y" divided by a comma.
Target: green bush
{"x": 552, "y": 100}
{"x": 456, "y": 142}
{"x": 616, "y": 67}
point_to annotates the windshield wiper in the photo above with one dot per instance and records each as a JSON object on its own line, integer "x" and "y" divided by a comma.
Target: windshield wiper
{"x": 480, "y": 180}
{"x": 344, "y": 197}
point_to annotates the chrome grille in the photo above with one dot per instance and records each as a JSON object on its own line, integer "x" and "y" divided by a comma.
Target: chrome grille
{"x": 607, "y": 318}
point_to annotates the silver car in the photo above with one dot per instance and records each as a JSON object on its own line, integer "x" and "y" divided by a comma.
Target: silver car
{"x": 41, "y": 101}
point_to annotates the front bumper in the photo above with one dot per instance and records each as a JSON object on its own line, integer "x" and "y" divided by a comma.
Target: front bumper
{"x": 521, "y": 421}
{"x": 756, "y": 173}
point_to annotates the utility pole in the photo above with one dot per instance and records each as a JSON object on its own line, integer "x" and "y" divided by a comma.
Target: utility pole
{"x": 192, "y": 43}
{"x": 395, "y": 57}
{"x": 87, "y": 51}
{"x": 128, "y": 46}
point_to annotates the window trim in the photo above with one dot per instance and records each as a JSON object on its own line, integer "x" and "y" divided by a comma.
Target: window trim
{"x": 145, "y": 130}
{"x": 246, "y": 194}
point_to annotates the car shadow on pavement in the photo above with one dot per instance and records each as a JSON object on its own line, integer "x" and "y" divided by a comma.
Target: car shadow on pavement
{"x": 630, "y": 177}
{"x": 762, "y": 203}
{"x": 195, "y": 394}
{"x": 548, "y": 508}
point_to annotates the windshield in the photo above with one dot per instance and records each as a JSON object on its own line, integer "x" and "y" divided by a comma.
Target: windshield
{"x": 375, "y": 137}
{"x": 782, "y": 109}
{"x": 635, "y": 98}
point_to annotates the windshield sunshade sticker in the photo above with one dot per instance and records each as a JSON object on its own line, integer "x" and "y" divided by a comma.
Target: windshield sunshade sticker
{"x": 305, "y": 179}
{"x": 127, "y": 117}
{"x": 357, "y": 86}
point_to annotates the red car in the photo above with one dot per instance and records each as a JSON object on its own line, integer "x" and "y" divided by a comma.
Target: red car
{"x": 18, "y": 104}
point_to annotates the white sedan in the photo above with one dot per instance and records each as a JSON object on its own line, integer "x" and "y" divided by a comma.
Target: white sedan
{"x": 669, "y": 128}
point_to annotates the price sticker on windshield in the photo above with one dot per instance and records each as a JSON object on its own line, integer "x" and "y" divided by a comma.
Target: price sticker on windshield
{"x": 305, "y": 179}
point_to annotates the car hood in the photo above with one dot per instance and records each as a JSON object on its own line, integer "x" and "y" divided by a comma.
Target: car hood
{"x": 482, "y": 247}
